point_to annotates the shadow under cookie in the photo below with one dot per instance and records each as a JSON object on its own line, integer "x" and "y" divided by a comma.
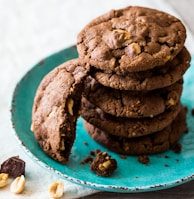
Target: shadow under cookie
{"x": 158, "y": 77}
{"x": 127, "y": 127}
{"x": 155, "y": 143}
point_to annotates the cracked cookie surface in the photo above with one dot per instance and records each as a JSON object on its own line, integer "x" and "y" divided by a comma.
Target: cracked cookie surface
{"x": 56, "y": 108}
{"x": 131, "y": 39}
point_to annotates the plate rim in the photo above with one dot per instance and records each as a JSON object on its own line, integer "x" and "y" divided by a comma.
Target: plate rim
{"x": 122, "y": 189}
{"x": 110, "y": 188}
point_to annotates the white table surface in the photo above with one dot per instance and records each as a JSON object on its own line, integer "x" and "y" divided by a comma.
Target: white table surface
{"x": 33, "y": 29}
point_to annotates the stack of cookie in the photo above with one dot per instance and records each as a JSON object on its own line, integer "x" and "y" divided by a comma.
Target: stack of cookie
{"x": 132, "y": 98}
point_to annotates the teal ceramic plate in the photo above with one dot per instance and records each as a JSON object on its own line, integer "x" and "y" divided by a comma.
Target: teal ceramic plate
{"x": 164, "y": 171}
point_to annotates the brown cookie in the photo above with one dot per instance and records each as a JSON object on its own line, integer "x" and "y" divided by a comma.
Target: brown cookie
{"x": 132, "y": 104}
{"x": 131, "y": 39}
{"x": 56, "y": 107}
{"x": 152, "y": 79}
{"x": 127, "y": 127}
{"x": 150, "y": 144}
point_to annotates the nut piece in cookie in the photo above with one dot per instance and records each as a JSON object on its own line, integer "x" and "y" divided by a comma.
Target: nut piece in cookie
{"x": 56, "y": 108}
{"x": 103, "y": 164}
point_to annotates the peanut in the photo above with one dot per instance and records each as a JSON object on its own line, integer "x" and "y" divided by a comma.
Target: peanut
{"x": 167, "y": 58}
{"x": 103, "y": 166}
{"x": 133, "y": 134}
{"x": 133, "y": 49}
{"x": 3, "y": 179}
{"x": 106, "y": 164}
{"x": 17, "y": 186}
{"x": 32, "y": 128}
{"x": 56, "y": 190}
{"x": 136, "y": 48}
{"x": 62, "y": 145}
{"x": 70, "y": 104}
{"x": 123, "y": 34}
{"x": 171, "y": 102}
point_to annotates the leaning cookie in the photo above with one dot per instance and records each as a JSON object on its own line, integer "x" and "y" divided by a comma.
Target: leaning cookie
{"x": 131, "y": 39}
{"x": 132, "y": 104}
{"x": 158, "y": 77}
{"x": 150, "y": 144}
{"x": 127, "y": 127}
{"x": 56, "y": 108}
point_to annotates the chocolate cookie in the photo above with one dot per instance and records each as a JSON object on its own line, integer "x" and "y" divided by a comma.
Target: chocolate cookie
{"x": 56, "y": 107}
{"x": 127, "y": 127}
{"x": 132, "y": 104}
{"x": 158, "y": 77}
{"x": 150, "y": 144}
{"x": 131, "y": 39}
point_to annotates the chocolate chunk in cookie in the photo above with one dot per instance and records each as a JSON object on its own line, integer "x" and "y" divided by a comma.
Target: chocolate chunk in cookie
{"x": 103, "y": 164}
{"x": 56, "y": 108}
{"x": 131, "y": 39}
{"x": 13, "y": 166}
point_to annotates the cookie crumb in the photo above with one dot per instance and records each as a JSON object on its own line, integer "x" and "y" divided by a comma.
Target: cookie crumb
{"x": 186, "y": 109}
{"x": 136, "y": 177}
{"x": 93, "y": 153}
{"x": 166, "y": 156}
{"x": 186, "y": 131}
{"x": 123, "y": 157}
{"x": 103, "y": 164}
{"x": 177, "y": 160}
{"x": 144, "y": 159}
{"x": 88, "y": 159}
{"x": 98, "y": 151}
{"x": 85, "y": 143}
{"x": 177, "y": 148}
{"x": 166, "y": 165}
{"x": 192, "y": 112}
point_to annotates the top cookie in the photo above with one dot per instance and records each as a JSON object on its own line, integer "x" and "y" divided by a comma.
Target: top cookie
{"x": 131, "y": 39}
